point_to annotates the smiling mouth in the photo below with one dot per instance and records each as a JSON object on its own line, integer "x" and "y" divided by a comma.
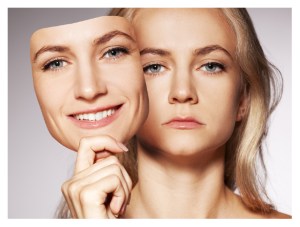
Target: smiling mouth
{"x": 91, "y": 119}
{"x": 97, "y": 116}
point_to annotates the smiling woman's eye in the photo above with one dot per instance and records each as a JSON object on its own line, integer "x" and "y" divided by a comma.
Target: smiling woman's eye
{"x": 115, "y": 52}
{"x": 54, "y": 64}
{"x": 212, "y": 67}
{"x": 154, "y": 69}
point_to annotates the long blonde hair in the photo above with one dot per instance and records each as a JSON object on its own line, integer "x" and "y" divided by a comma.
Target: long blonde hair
{"x": 244, "y": 153}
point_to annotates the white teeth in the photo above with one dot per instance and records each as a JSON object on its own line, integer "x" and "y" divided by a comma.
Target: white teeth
{"x": 95, "y": 116}
{"x": 91, "y": 117}
{"x": 98, "y": 116}
{"x": 104, "y": 114}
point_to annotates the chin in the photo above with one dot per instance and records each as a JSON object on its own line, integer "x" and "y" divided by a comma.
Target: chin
{"x": 183, "y": 144}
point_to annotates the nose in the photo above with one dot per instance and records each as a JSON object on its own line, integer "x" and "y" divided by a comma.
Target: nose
{"x": 182, "y": 89}
{"x": 89, "y": 83}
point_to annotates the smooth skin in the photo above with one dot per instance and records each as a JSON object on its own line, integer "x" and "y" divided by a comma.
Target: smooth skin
{"x": 181, "y": 171}
{"x": 83, "y": 66}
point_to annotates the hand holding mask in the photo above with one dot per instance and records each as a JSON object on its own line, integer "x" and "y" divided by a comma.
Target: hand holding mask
{"x": 89, "y": 82}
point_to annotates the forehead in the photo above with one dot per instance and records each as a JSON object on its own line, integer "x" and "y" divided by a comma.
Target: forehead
{"x": 80, "y": 32}
{"x": 183, "y": 28}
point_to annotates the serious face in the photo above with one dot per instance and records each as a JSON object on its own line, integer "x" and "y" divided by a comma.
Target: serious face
{"x": 193, "y": 79}
{"x": 88, "y": 79}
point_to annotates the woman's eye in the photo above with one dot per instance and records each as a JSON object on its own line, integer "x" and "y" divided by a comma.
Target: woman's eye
{"x": 212, "y": 67}
{"x": 112, "y": 53}
{"x": 56, "y": 64}
{"x": 116, "y": 52}
{"x": 155, "y": 68}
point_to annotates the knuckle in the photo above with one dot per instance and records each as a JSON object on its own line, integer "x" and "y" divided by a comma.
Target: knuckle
{"x": 86, "y": 195}
{"x": 73, "y": 188}
{"x": 108, "y": 137}
{"x": 115, "y": 168}
{"x": 114, "y": 178}
{"x": 83, "y": 141}
{"x": 64, "y": 187}
{"x": 90, "y": 196}
{"x": 114, "y": 160}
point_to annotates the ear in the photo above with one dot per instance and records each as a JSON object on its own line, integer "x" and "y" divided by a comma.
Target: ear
{"x": 242, "y": 106}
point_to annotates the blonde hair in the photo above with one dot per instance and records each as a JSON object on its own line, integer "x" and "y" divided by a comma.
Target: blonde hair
{"x": 244, "y": 153}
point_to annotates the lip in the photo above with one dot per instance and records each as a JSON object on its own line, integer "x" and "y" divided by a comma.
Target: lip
{"x": 183, "y": 122}
{"x": 95, "y": 124}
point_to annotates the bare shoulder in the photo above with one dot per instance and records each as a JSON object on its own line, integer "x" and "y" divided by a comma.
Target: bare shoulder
{"x": 246, "y": 212}
{"x": 278, "y": 215}
{"x": 273, "y": 215}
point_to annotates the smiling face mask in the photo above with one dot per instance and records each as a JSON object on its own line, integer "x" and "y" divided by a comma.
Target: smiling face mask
{"x": 89, "y": 80}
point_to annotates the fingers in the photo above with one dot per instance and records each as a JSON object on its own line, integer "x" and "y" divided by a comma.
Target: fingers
{"x": 111, "y": 160}
{"x": 64, "y": 190}
{"x": 88, "y": 179}
{"x": 94, "y": 194}
{"x": 89, "y": 145}
{"x": 77, "y": 186}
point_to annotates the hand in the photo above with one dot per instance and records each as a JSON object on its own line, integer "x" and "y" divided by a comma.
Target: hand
{"x": 98, "y": 172}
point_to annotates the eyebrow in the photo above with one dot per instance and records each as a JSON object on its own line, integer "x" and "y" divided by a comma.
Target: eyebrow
{"x": 101, "y": 40}
{"x": 209, "y": 49}
{"x": 198, "y": 51}
{"x": 51, "y": 48}
{"x": 108, "y": 36}
{"x": 155, "y": 51}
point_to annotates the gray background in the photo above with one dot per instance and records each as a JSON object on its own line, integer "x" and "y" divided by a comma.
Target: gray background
{"x": 38, "y": 165}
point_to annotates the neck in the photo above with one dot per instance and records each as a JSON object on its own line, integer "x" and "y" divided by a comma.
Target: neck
{"x": 179, "y": 186}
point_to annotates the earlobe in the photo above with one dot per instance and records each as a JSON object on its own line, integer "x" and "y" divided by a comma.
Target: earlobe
{"x": 240, "y": 115}
{"x": 242, "y": 105}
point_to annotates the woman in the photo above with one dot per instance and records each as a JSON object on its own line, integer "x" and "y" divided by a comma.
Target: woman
{"x": 209, "y": 87}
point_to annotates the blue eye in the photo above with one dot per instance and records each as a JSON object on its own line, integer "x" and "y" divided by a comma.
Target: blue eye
{"x": 54, "y": 64}
{"x": 154, "y": 69}
{"x": 212, "y": 67}
{"x": 115, "y": 52}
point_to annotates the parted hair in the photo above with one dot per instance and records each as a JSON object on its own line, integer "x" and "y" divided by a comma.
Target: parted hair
{"x": 244, "y": 162}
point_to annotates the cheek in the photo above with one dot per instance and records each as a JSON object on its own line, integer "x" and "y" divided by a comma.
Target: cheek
{"x": 159, "y": 109}
{"x": 51, "y": 93}
{"x": 220, "y": 100}
{"x": 158, "y": 91}
{"x": 127, "y": 80}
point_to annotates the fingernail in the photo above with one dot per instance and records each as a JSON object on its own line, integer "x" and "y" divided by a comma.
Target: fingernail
{"x": 129, "y": 197}
{"x": 122, "y": 146}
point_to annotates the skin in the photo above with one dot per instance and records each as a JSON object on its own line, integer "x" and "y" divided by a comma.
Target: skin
{"x": 181, "y": 170}
{"x": 84, "y": 76}
{"x": 89, "y": 79}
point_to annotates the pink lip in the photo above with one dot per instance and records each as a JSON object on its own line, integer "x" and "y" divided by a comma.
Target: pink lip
{"x": 187, "y": 122}
{"x": 95, "y": 124}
